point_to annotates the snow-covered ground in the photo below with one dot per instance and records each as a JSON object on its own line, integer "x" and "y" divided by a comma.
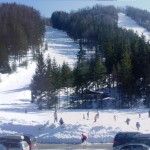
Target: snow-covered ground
{"x": 61, "y": 47}
{"x": 15, "y": 99}
{"x": 128, "y": 23}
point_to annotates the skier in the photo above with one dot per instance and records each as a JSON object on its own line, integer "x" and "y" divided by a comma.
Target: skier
{"x": 83, "y": 116}
{"x": 115, "y": 117}
{"x": 97, "y": 114}
{"x": 96, "y": 117}
{"x": 25, "y": 111}
{"x": 55, "y": 116}
{"x": 127, "y": 121}
{"x": 61, "y": 121}
{"x": 88, "y": 115}
{"x": 83, "y": 138}
{"x": 137, "y": 125}
{"x": 139, "y": 115}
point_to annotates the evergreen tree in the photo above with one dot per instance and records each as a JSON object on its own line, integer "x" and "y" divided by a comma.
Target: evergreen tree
{"x": 38, "y": 83}
{"x": 4, "y": 64}
{"x": 50, "y": 85}
{"x": 81, "y": 54}
{"x": 21, "y": 29}
{"x": 81, "y": 78}
{"x": 56, "y": 74}
{"x": 66, "y": 75}
{"x": 110, "y": 56}
{"x": 66, "y": 78}
{"x": 125, "y": 76}
{"x": 99, "y": 72}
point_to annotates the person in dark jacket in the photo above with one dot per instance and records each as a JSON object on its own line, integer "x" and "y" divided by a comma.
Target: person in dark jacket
{"x": 137, "y": 125}
{"x": 96, "y": 117}
{"x": 55, "y": 116}
{"x": 88, "y": 113}
{"x": 127, "y": 121}
{"x": 139, "y": 115}
{"x": 83, "y": 138}
{"x": 61, "y": 121}
{"x": 115, "y": 117}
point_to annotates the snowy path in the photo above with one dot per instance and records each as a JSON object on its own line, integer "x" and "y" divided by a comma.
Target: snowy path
{"x": 61, "y": 47}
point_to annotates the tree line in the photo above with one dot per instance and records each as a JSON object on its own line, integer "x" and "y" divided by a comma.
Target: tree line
{"x": 118, "y": 52}
{"x": 21, "y": 29}
{"x": 126, "y": 54}
{"x": 50, "y": 78}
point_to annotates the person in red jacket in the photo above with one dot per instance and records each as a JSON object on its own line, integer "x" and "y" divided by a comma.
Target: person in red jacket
{"x": 83, "y": 138}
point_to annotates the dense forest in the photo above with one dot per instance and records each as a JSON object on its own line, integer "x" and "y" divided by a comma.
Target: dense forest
{"x": 119, "y": 53}
{"x": 21, "y": 29}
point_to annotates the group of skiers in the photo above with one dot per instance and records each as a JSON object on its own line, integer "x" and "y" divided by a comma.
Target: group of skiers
{"x": 61, "y": 121}
{"x": 84, "y": 136}
{"x": 95, "y": 117}
{"x": 137, "y": 123}
{"x": 87, "y": 115}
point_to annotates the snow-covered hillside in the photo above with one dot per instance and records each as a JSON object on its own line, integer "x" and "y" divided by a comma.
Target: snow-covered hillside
{"x": 15, "y": 99}
{"x": 128, "y": 23}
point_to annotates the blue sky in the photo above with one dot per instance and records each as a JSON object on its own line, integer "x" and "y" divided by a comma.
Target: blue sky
{"x": 47, "y": 7}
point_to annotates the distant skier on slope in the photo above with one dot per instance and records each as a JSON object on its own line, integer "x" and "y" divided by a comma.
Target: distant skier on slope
{"x": 115, "y": 117}
{"x": 96, "y": 117}
{"x": 55, "y": 116}
{"x": 83, "y": 116}
{"x": 127, "y": 121}
{"x": 138, "y": 125}
{"x": 61, "y": 121}
{"x": 88, "y": 113}
{"x": 139, "y": 115}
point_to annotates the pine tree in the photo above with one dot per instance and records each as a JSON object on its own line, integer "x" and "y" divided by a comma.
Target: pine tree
{"x": 4, "y": 64}
{"x": 81, "y": 76}
{"x": 99, "y": 72}
{"x": 81, "y": 53}
{"x": 56, "y": 74}
{"x": 51, "y": 90}
{"x": 66, "y": 78}
{"x": 21, "y": 29}
{"x": 125, "y": 76}
{"x": 38, "y": 87}
{"x": 66, "y": 75}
